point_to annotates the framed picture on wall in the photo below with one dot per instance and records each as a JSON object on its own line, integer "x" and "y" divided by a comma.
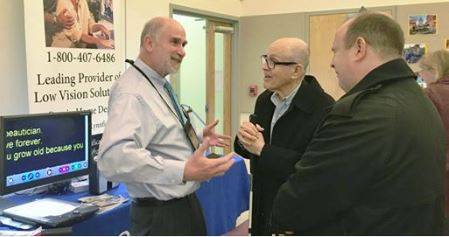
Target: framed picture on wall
{"x": 413, "y": 52}
{"x": 422, "y": 24}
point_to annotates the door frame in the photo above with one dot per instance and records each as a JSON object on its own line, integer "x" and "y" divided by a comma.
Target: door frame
{"x": 213, "y": 27}
{"x": 217, "y": 23}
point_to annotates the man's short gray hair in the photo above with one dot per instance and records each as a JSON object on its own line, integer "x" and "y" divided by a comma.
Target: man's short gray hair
{"x": 303, "y": 57}
{"x": 299, "y": 52}
{"x": 153, "y": 28}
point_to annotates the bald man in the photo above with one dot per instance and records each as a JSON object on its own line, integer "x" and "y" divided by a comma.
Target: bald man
{"x": 284, "y": 119}
{"x": 146, "y": 143}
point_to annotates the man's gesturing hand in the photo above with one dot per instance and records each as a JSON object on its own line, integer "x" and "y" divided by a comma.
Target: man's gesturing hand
{"x": 199, "y": 168}
{"x": 214, "y": 138}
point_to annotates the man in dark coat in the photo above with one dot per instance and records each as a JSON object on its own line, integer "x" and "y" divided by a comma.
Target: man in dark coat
{"x": 375, "y": 166}
{"x": 285, "y": 117}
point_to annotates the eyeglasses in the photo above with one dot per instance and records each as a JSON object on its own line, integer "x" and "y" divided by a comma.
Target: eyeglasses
{"x": 265, "y": 60}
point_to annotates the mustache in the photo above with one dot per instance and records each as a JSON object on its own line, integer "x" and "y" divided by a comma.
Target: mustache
{"x": 177, "y": 58}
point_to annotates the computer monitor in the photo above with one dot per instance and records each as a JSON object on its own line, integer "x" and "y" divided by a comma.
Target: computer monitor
{"x": 39, "y": 149}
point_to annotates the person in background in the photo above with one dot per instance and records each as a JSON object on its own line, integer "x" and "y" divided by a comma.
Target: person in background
{"x": 375, "y": 166}
{"x": 284, "y": 119}
{"x": 80, "y": 35}
{"x": 435, "y": 73}
{"x": 55, "y": 23}
{"x": 146, "y": 145}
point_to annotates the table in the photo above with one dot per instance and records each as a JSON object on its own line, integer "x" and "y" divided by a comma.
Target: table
{"x": 223, "y": 199}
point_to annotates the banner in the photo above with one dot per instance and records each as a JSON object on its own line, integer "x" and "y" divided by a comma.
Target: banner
{"x": 75, "y": 51}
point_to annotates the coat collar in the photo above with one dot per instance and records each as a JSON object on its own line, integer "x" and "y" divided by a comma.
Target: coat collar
{"x": 305, "y": 97}
{"x": 392, "y": 71}
{"x": 396, "y": 69}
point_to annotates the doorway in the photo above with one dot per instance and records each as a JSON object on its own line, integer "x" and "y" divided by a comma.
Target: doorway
{"x": 203, "y": 82}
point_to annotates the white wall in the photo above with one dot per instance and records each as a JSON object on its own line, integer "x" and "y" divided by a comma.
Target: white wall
{"x": 268, "y": 7}
{"x": 13, "y": 89}
{"x": 140, "y": 11}
{"x": 226, "y": 7}
{"x": 137, "y": 13}
{"x": 13, "y": 82}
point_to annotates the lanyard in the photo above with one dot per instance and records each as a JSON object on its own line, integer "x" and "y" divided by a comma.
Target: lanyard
{"x": 162, "y": 98}
{"x": 187, "y": 126}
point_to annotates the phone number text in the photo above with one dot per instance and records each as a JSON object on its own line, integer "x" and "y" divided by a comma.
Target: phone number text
{"x": 68, "y": 57}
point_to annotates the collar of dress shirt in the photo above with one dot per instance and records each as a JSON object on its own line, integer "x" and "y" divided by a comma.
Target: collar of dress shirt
{"x": 152, "y": 74}
{"x": 277, "y": 99}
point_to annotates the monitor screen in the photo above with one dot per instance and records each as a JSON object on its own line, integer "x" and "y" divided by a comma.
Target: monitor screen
{"x": 43, "y": 148}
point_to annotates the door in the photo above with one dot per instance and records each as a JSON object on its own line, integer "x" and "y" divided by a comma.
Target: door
{"x": 321, "y": 45}
{"x": 204, "y": 80}
{"x": 320, "y": 50}
{"x": 218, "y": 74}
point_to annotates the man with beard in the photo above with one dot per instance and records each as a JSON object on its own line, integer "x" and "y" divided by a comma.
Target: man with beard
{"x": 146, "y": 143}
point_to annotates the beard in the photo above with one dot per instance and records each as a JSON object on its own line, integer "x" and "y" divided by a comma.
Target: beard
{"x": 173, "y": 68}
{"x": 172, "y": 65}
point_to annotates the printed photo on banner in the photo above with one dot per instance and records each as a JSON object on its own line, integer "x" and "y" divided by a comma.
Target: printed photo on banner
{"x": 413, "y": 52}
{"x": 422, "y": 24}
{"x": 79, "y": 24}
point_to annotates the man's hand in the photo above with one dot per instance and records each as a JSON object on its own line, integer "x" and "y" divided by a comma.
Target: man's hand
{"x": 106, "y": 34}
{"x": 108, "y": 44}
{"x": 216, "y": 139}
{"x": 199, "y": 168}
{"x": 65, "y": 19}
{"x": 251, "y": 138}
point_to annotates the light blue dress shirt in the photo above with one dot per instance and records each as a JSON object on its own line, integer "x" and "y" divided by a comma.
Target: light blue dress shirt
{"x": 281, "y": 106}
{"x": 144, "y": 144}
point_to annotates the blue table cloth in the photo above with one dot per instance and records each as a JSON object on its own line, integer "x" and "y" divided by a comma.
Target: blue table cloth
{"x": 223, "y": 199}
